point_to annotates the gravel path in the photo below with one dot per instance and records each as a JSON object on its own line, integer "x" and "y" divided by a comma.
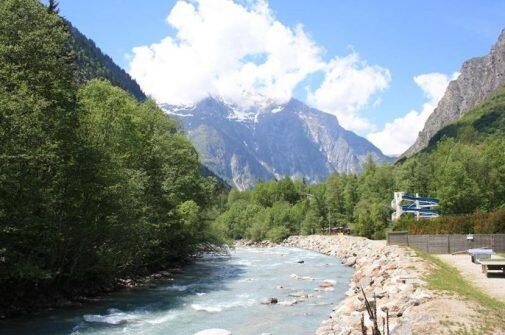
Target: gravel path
{"x": 494, "y": 286}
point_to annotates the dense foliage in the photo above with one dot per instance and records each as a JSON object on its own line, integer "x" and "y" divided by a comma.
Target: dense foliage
{"x": 474, "y": 223}
{"x": 94, "y": 186}
{"x": 464, "y": 167}
{"x": 277, "y": 209}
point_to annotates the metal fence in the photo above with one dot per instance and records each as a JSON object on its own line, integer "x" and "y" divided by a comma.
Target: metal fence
{"x": 448, "y": 243}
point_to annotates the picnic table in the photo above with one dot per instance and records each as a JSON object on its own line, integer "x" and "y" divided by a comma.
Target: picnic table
{"x": 480, "y": 254}
{"x": 493, "y": 265}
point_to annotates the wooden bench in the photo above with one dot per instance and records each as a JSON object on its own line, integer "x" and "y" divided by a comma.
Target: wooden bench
{"x": 493, "y": 265}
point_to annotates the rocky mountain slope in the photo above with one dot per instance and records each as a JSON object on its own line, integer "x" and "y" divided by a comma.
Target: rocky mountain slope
{"x": 484, "y": 122}
{"x": 268, "y": 140}
{"x": 480, "y": 77}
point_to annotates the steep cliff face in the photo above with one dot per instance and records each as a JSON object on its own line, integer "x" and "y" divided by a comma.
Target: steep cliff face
{"x": 479, "y": 78}
{"x": 268, "y": 140}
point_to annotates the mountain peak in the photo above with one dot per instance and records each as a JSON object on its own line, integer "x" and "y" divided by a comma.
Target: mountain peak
{"x": 480, "y": 77}
{"x": 270, "y": 140}
{"x": 501, "y": 40}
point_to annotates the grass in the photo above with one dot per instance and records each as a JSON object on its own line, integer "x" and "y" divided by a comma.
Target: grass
{"x": 448, "y": 279}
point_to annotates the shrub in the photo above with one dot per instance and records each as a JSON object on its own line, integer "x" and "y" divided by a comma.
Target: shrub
{"x": 277, "y": 234}
{"x": 478, "y": 223}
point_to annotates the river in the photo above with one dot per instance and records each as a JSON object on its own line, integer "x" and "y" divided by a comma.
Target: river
{"x": 214, "y": 292}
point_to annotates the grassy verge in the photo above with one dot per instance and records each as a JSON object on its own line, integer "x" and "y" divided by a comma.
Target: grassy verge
{"x": 491, "y": 312}
{"x": 448, "y": 278}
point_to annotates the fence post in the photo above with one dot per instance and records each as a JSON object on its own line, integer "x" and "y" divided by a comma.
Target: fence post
{"x": 428, "y": 243}
{"x": 492, "y": 241}
{"x": 448, "y": 243}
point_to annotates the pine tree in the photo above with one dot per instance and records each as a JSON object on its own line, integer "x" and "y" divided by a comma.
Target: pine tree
{"x": 52, "y": 8}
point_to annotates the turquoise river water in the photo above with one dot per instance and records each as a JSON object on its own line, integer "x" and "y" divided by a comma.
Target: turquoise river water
{"x": 215, "y": 292}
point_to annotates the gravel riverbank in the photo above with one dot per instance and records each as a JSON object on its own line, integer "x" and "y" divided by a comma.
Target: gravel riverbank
{"x": 395, "y": 276}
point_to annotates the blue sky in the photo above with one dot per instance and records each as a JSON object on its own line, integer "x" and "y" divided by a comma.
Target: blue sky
{"x": 404, "y": 38}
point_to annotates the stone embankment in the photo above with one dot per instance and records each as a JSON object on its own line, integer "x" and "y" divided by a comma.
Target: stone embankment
{"x": 394, "y": 276}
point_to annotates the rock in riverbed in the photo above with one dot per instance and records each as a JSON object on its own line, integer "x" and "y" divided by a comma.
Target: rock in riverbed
{"x": 328, "y": 283}
{"x": 299, "y": 295}
{"x": 288, "y": 302}
{"x": 270, "y": 301}
{"x": 295, "y": 276}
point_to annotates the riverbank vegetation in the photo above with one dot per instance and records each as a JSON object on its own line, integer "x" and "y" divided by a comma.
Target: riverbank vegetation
{"x": 475, "y": 223}
{"x": 94, "y": 185}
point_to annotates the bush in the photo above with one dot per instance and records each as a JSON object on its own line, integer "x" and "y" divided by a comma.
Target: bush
{"x": 477, "y": 223}
{"x": 277, "y": 234}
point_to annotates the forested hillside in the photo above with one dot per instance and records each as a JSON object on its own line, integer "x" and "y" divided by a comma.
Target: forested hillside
{"x": 94, "y": 185}
{"x": 464, "y": 167}
{"x": 92, "y": 64}
{"x": 484, "y": 122}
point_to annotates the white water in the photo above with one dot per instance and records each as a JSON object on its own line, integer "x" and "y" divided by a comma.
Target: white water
{"x": 213, "y": 293}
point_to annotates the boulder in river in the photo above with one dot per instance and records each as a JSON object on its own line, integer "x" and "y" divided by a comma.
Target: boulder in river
{"x": 328, "y": 283}
{"x": 288, "y": 302}
{"x": 295, "y": 276}
{"x": 351, "y": 261}
{"x": 270, "y": 301}
{"x": 299, "y": 294}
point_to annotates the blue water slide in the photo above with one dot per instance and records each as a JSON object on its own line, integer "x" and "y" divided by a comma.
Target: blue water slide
{"x": 422, "y": 199}
{"x": 422, "y": 211}
{"x": 420, "y": 206}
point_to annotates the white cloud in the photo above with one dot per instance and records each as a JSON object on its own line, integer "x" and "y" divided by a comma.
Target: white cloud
{"x": 223, "y": 48}
{"x": 348, "y": 85}
{"x": 213, "y": 53}
{"x": 399, "y": 135}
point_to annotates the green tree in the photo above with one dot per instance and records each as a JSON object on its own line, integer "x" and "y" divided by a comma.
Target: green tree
{"x": 371, "y": 219}
{"x": 94, "y": 186}
{"x": 265, "y": 194}
{"x": 238, "y": 218}
{"x": 312, "y": 223}
{"x": 334, "y": 200}
{"x": 52, "y": 7}
{"x": 286, "y": 190}
{"x": 41, "y": 178}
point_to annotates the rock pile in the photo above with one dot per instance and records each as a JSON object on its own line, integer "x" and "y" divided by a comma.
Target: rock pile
{"x": 389, "y": 274}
